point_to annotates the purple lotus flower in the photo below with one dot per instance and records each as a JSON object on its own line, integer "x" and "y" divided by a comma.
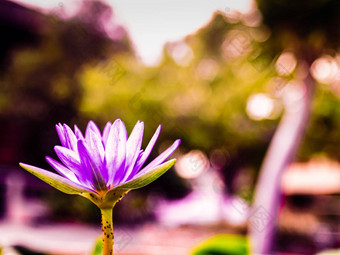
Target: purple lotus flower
{"x": 97, "y": 163}
{"x": 103, "y": 167}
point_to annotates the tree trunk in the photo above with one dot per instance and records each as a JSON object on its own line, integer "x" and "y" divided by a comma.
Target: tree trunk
{"x": 282, "y": 149}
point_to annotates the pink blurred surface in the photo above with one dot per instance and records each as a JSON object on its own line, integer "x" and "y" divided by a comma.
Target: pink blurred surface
{"x": 75, "y": 239}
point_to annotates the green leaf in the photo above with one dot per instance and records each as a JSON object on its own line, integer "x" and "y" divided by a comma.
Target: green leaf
{"x": 98, "y": 247}
{"x": 148, "y": 177}
{"x": 57, "y": 181}
{"x": 223, "y": 244}
{"x": 115, "y": 194}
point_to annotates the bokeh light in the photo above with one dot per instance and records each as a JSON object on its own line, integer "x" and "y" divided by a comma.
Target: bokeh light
{"x": 325, "y": 69}
{"x": 192, "y": 164}
{"x": 286, "y": 63}
{"x": 260, "y": 106}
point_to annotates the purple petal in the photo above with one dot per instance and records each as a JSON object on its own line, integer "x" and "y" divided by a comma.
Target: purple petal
{"x": 89, "y": 165}
{"x": 91, "y": 126}
{"x": 78, "y": 133}
{"x": 161, "y": 158}
{"x": 97, "y": 146}
{"x": 148, "y": 150}
{"x": 106, "y": 132}
{"x": 71, "y": 160}
{"x": 134, "y": 170}
{"x": 133, "y": 146}
{"x": 115, "y": 151}
{"x": 97, "y": 153}
{"x": 140, "y": 154}
{"x": 61, "y": 134}
{"x": 62, "y": 170}
{"x": 71, "y": 139}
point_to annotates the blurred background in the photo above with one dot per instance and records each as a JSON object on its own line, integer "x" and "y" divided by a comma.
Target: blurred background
{"x": 229, "y": 78}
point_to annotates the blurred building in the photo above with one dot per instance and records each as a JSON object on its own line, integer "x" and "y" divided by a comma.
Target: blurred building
{"x": 310, "y": 211}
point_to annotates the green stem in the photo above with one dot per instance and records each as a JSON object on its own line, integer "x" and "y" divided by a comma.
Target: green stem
{"x": 107, "y": 231}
